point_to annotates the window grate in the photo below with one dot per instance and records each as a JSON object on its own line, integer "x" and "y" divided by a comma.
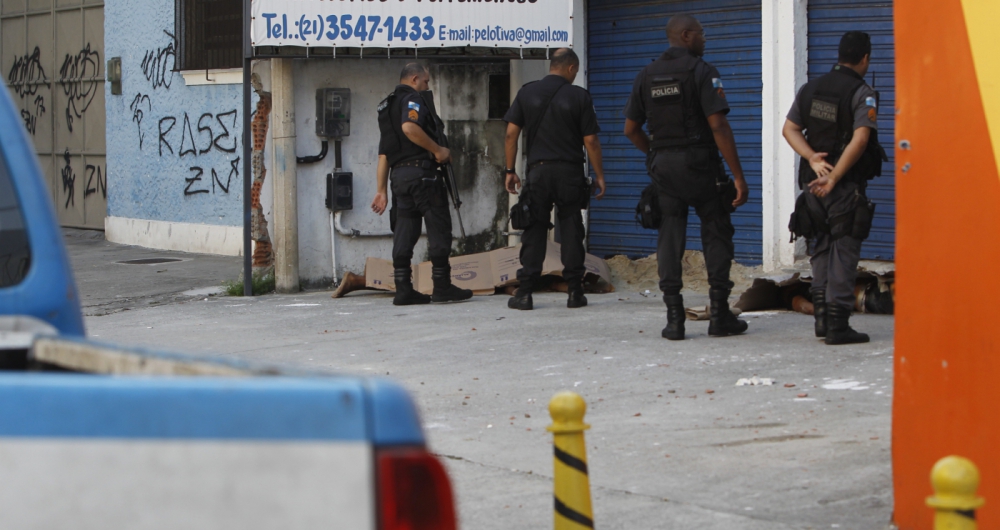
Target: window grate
{"x": 209, "y": 34}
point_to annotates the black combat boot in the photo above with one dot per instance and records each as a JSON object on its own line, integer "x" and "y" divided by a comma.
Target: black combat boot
{"x": 576, "y": 298}
{"x": 819, "y": 310}
{"x": 522, "y": 298}
{"x": 675, "y": 317}
{"x": 444, "y": 290}
{"x": 722, "y": 322}
{"x": 839, "y": 328}
{"x": 405, "y": 294}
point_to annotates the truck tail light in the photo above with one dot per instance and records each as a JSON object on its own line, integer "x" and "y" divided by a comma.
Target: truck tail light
{"x": 414, "y": 491}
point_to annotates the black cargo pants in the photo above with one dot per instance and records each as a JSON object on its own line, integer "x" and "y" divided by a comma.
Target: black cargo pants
{"x": 684, "y": 179}
{"x": 419, "y": 195}
{"x": 564, "y": 186}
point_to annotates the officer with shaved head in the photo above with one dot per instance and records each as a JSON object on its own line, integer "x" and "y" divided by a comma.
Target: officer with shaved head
{"x": 681, "y": 100}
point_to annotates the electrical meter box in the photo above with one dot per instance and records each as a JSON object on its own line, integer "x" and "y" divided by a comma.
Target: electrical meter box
{"x": 333, "y": 112}
{"x": 340, "y": 191}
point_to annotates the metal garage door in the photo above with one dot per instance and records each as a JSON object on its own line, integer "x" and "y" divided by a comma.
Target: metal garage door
{"x": 828, "y": 21}
{"x": 52, "y": 59}
{"x": 623, "y": 37}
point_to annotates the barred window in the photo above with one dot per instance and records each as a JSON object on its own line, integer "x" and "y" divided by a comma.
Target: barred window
{"x": 209, "y": 34}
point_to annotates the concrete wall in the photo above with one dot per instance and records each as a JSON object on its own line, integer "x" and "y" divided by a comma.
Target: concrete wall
{"x": 784, "y": 67}
{"x": 477, "y": 145}
{"x": 174, "y": 151}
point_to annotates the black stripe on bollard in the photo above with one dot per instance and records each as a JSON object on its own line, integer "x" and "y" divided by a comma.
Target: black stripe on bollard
{"x": 572, "y": 515}
{"x": 970, "y": 514}
{"x": 571, "y": 461}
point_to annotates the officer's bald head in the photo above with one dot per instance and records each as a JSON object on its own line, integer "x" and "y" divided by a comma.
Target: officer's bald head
{"x": 685, "y": 31}
{"x": 566, "y": 63}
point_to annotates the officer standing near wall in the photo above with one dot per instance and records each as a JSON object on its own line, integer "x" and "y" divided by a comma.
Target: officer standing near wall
{"x": 681, "y": 99}
{"x": 409, "y": 148}
{"x": 833, "y": 127}
{"x": 559, "y": 123}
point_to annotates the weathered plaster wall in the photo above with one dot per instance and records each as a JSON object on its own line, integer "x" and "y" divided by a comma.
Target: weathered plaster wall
{"x": 174, "y": 151}
{"x": 461, "y": 92}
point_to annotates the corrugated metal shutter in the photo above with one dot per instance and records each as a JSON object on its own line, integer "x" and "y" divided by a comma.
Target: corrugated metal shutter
{"x": 625, "y": 36}
{"x": 828, "y": 21}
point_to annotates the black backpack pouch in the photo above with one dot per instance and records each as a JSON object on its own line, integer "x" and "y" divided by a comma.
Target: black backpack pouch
{"x": 647, "y": 212}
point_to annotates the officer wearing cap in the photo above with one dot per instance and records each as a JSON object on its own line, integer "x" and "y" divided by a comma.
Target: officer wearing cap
{"x": 681, "y": 100}
{"x": 559, "y": 123}
{"x": 833, "y": 126}
{"x": 408, "y": 147}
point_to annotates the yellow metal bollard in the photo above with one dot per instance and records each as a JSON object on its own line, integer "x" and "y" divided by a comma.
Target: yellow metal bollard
{"x": 955, "y": 481}
{"x": 573, "y": 510}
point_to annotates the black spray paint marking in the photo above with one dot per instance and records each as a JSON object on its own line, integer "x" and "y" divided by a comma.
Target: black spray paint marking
{"x": 27, "y": 74}
{"x": 78, "y": 76}
{"x": 31, "y": 117}
{"x": 138, "y": 114}
{"x": 191, "y": 180}
{"x": 68, "y": 181}
{"x": 234, "y": 170}
{"x": 163, "y": 134}
{"x": 102, "y": 181}
{"x": 207, "y": 137}
{"x": 158, "y": 64}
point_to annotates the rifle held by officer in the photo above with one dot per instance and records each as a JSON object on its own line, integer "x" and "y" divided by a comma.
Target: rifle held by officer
{"x": 448, "y": 173}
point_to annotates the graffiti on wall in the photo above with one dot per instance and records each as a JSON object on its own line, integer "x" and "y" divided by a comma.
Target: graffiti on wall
{"x": 138, "y": 114}
{"x": 94, "y": 180}
{"x": 158, "y": 65}
{"x": 79, "y": 76}
{"x": 187, "y": 136}
{"x": 25, "y": 77}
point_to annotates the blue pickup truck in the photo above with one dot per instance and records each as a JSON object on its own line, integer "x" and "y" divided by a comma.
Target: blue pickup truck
{"x": 95, "y": 436}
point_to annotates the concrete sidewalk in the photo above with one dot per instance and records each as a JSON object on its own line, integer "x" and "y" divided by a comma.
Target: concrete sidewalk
{"x": 107, "y": 285}
{"x": 674, "y": 443}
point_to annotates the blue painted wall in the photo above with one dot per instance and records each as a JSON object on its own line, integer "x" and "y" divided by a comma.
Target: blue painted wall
{"x": 174, "y": 151}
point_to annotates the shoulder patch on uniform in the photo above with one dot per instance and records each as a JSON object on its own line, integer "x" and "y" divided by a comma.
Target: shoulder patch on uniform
{"x": 716, "y": 82}
{"x": 415, "y": 106}
{"x": 413, "y": 115}
{"x": 871, "y": 102}
{"x": 873, "y": 115}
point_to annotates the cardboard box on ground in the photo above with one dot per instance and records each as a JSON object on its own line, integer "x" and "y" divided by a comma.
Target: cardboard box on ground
{"x": 485, "y": 272}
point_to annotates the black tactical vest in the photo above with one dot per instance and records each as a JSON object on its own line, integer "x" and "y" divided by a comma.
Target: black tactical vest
{"x": 826, "y": 110}
{"x": 672, "y": 99}
{"x": 393, "y": 142}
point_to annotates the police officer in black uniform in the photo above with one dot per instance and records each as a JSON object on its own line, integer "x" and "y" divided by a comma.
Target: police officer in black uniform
{"x": 409, "y": 149}
{"x": 559, "y": 123}
{"x": 681, "y": 100}
{"x": 833, "y": 127}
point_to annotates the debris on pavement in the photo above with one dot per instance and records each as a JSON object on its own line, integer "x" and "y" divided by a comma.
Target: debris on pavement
{"x": 755, "y": 381}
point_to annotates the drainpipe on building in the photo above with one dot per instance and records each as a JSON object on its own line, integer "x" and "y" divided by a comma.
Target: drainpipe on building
{"x": 286, "y": 212}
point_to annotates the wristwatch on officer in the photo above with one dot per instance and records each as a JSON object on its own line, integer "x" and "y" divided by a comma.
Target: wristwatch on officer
{"x": 510, "y": 171}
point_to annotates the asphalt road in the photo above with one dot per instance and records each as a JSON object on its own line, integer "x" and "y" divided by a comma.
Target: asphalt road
{"x": 674, "y": 442}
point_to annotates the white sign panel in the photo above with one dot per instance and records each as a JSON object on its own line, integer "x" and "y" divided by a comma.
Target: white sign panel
{"x": 413, "y": 23}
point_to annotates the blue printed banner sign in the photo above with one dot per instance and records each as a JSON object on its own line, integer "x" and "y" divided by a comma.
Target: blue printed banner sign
{"x": 413, "y": 23}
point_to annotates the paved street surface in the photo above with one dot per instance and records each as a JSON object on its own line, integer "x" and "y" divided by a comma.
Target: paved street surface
{"x": 674, "y": 444}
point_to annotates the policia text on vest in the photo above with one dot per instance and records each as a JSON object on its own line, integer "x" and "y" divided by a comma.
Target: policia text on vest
{"x": 682, "y": 101}
{"x": 409, "y": 148}
{"x": 833, "y": 126}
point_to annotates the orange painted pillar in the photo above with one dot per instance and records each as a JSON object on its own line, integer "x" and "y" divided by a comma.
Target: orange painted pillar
{"x": 947, "y": 359}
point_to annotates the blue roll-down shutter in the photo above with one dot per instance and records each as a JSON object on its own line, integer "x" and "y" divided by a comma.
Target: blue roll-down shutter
{"x": 828, "y": 21}
{"x": 625, "y": 36}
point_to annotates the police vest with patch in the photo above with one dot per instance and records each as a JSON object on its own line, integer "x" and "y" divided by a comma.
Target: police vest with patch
{"x": 825, "y": 105}
{"x": 393, "y": 143}
{"x": 672, "y": 99}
